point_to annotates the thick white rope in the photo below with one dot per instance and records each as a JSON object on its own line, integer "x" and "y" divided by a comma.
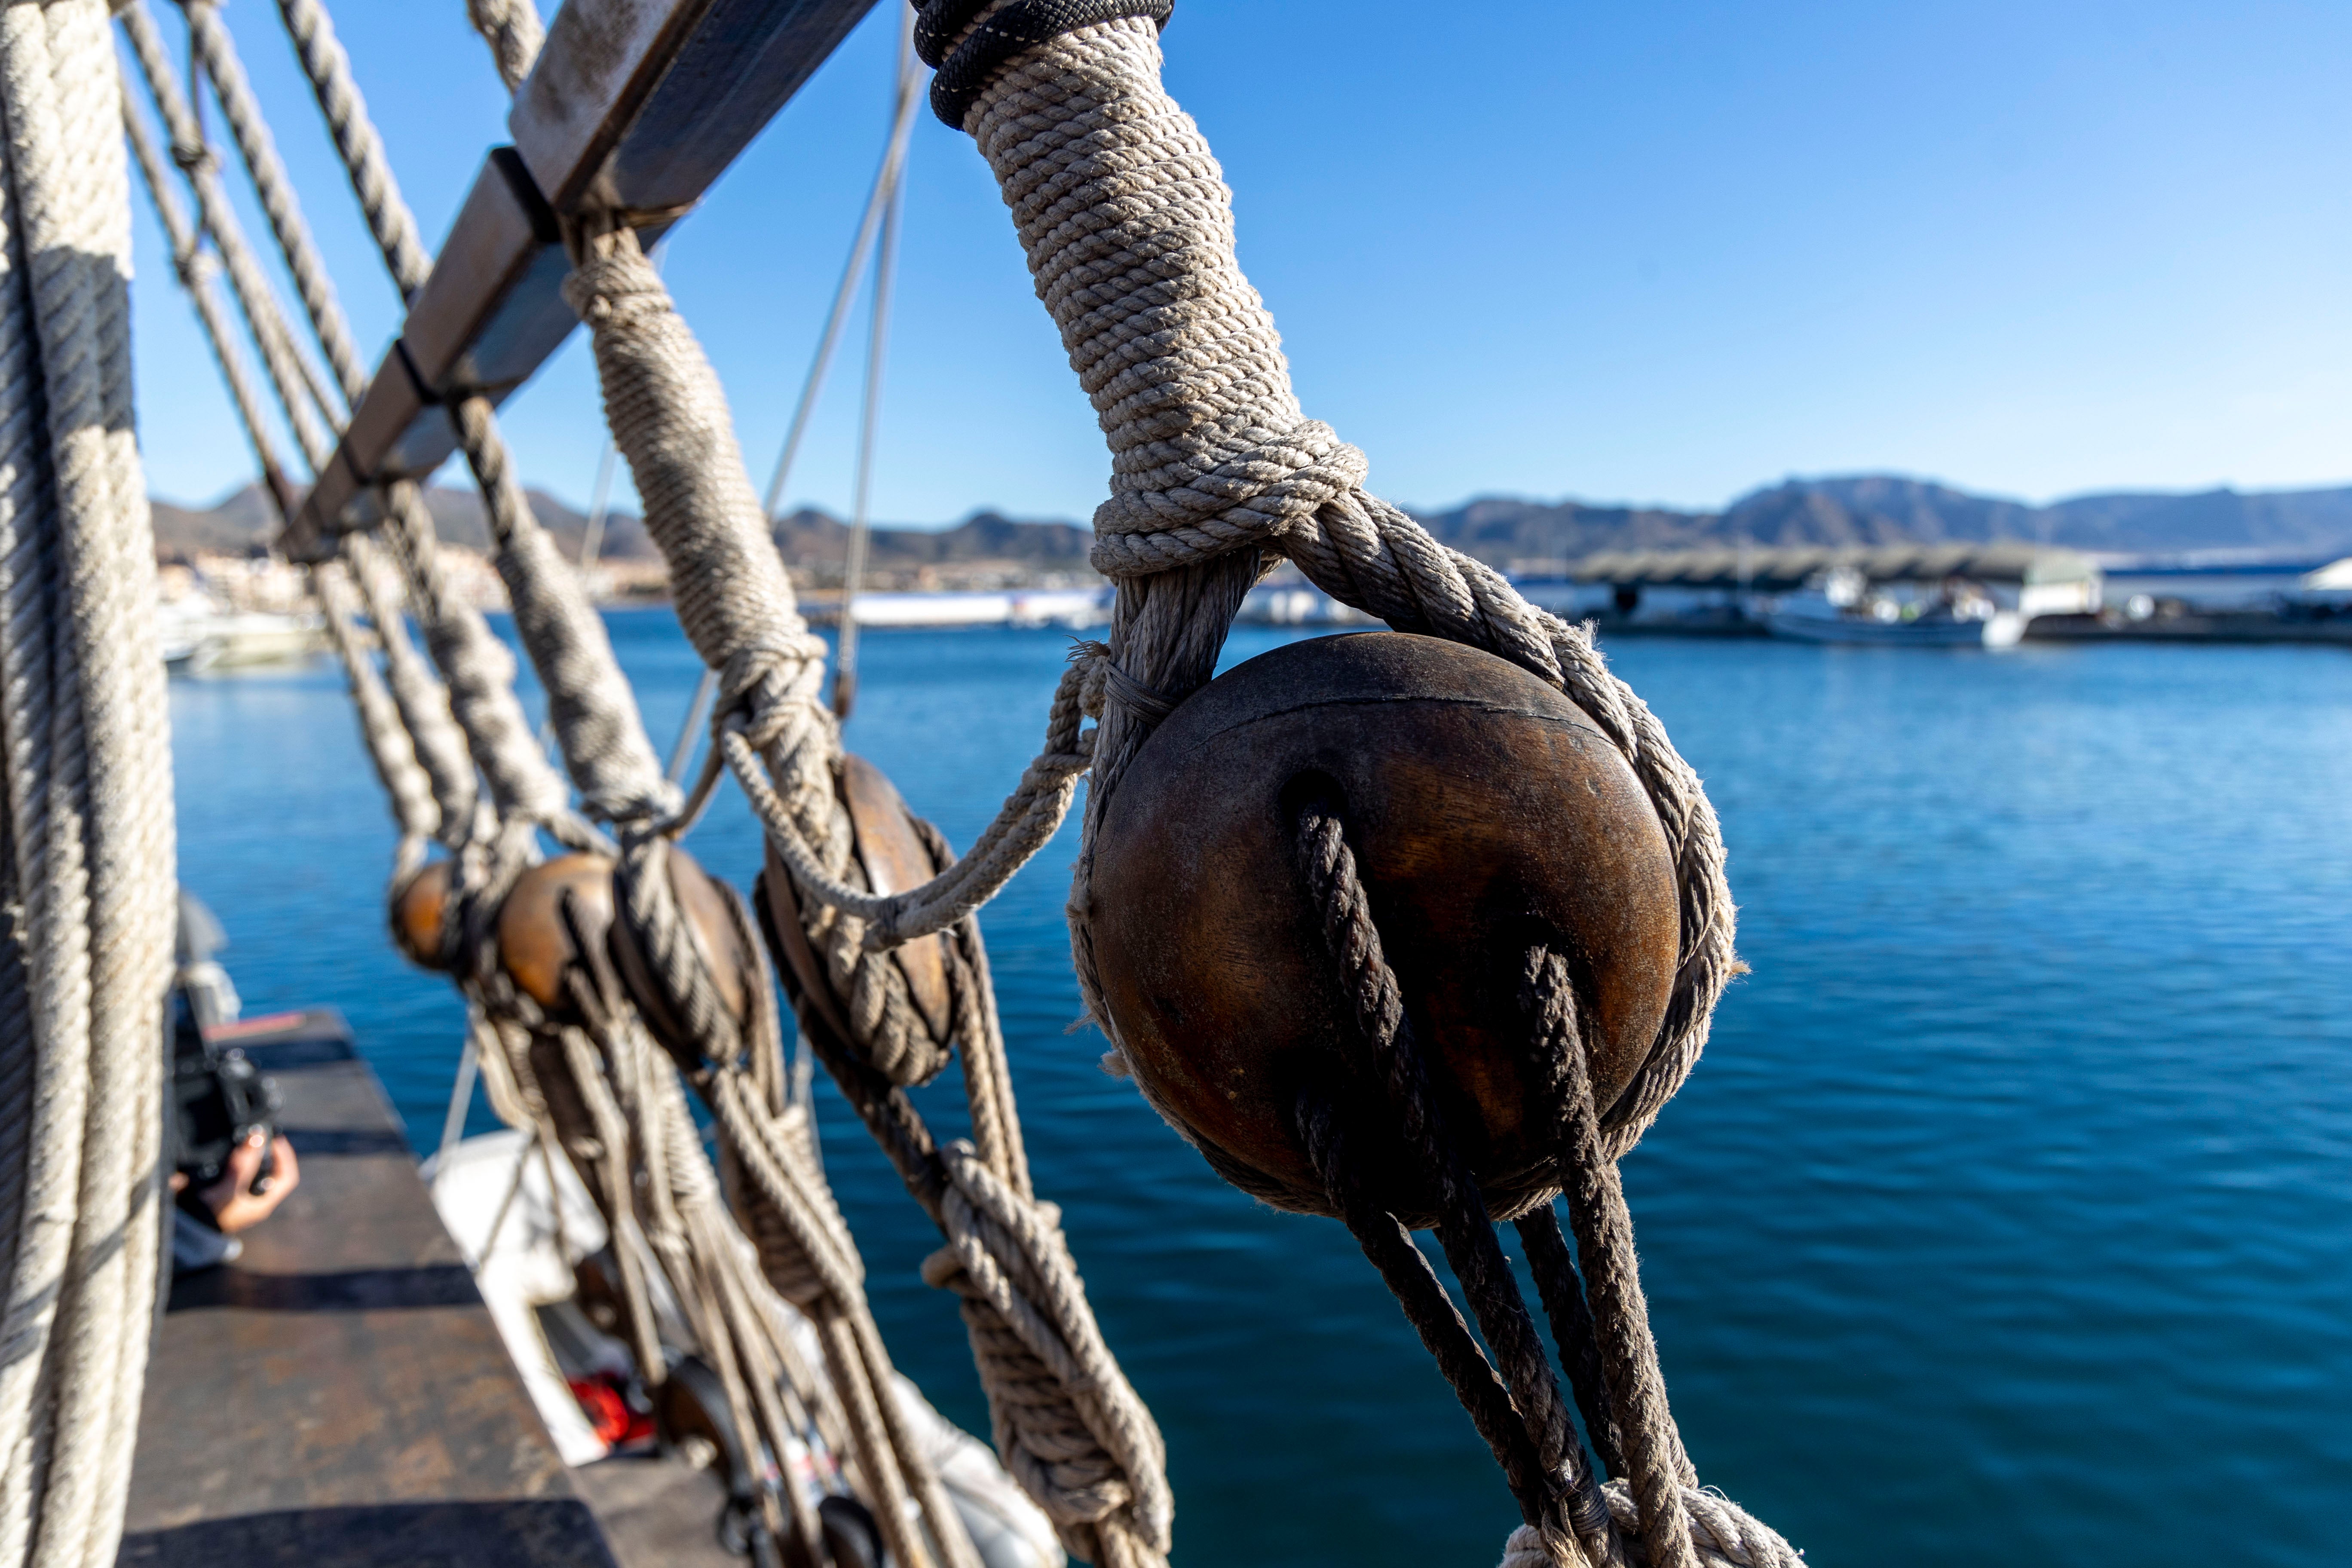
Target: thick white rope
{"x": 89, "y": 842}
{"x": 513, "y": 31}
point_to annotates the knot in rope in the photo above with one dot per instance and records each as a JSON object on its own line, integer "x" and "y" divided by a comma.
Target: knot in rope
{"x": 195, "y": 158}
{"x": 615, "y": 287}
{"x": 1722, "y": 1534}
{"x": 768, "y": 690}
{"x": 1204, "y": 499}
{"x": 195, "y": 268}
{"x": 1066, "y": 1421}
{"x": 1103, "y": 680}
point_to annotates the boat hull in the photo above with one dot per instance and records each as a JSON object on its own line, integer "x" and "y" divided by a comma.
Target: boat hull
{"x": 2002, "y": 630}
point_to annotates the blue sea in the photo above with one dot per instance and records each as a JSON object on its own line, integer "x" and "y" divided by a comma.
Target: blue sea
{"x": 2007, "y": 1219}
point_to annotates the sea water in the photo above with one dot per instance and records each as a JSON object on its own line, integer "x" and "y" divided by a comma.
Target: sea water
{"x": 2007, "y": 1217}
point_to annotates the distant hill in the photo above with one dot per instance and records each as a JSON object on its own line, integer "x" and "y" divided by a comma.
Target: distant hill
{"x": 245, "y": 521}
{"x": 1862, "y": 509}
{"x": 1880, "y": 509}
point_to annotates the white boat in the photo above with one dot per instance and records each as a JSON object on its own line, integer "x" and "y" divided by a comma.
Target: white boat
{"x": 197, "y": 636}
{"x": 1843, "y": 607}
{"x": 1072, "y": 607}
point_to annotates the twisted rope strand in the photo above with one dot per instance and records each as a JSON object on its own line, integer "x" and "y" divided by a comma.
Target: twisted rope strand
{"x": 89, "y": 803}
{"x": 1569, "y": 1507}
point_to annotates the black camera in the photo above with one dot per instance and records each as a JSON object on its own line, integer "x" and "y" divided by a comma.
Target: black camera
{"x": 218, "y": 1099}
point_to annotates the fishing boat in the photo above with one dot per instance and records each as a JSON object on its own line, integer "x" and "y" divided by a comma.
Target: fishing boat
{"x": 1480, "y": 895}
{"x": 1845, "y": 608}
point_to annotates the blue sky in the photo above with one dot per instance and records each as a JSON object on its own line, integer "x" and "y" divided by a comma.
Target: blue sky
{"x": 1656, "y": 253}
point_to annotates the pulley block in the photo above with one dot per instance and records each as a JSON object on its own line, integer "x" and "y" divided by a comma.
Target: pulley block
{"x": 1487, "y": 815}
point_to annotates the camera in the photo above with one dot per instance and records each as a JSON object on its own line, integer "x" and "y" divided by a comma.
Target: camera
{"x": 218, "y": 1099}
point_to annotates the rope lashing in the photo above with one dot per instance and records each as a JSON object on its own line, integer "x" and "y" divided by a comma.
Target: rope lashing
{"x": 85, "y": 811}
{"x": 1128, "y": 230}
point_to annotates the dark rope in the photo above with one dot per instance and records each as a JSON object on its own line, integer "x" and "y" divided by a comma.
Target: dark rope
{"x": 1572, "y": 1330}
{"x": 1393, "y": 1069}
{"x": 1428, "y": 1308}
{"x": 1012, "y": 31}
{"x": 1654, "y": 1465}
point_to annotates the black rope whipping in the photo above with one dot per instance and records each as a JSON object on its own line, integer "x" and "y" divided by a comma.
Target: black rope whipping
{"x": 963, "y": 67}
{"x": 1388, "y": 1067}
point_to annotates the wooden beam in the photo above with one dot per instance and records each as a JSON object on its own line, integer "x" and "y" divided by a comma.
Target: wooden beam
{"x": 634, "y": 106}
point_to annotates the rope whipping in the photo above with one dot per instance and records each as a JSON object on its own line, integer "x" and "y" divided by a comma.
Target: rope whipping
{"x": 87, "y": 909}
{"x": 1067, "y": 1422}
{"x": 1216, "y": 474}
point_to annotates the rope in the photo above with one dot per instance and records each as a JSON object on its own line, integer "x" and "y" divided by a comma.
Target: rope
{"x": 329, "y": 70}
{"x": 869, "y": 421}
{"x": 1217, "y": 473}
{"x": 513, "y": 31}
{"x": 209, "y": 42}
{"x": 421, "y": 701}
{"x": 89, "y": 829}
{"x": 1560, "y": 1497}
{"x": 1068, "y": 1427}
{"x": 1656, "y": 1465}
{"x": 381, "y": 727}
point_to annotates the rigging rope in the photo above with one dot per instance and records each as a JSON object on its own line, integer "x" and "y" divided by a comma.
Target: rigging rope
{"x": 86, "y": 908}
{"x": 606, "y": 748}
{"x": 1068, "y": 1424}
{"x": 886, "y": 265}
{"x": 1217, "y": 472}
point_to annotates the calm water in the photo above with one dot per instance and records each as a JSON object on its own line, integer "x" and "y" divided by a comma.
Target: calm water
{"x": 2008, "y": 1217}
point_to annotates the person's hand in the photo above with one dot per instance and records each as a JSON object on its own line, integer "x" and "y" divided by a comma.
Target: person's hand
{"x": 236, "y": 1205}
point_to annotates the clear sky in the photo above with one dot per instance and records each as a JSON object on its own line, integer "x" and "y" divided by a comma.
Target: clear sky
{"x": 1661, "y": 252}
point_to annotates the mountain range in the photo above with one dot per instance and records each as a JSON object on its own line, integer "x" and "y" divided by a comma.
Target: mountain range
{"x": 1867, "y": 508}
